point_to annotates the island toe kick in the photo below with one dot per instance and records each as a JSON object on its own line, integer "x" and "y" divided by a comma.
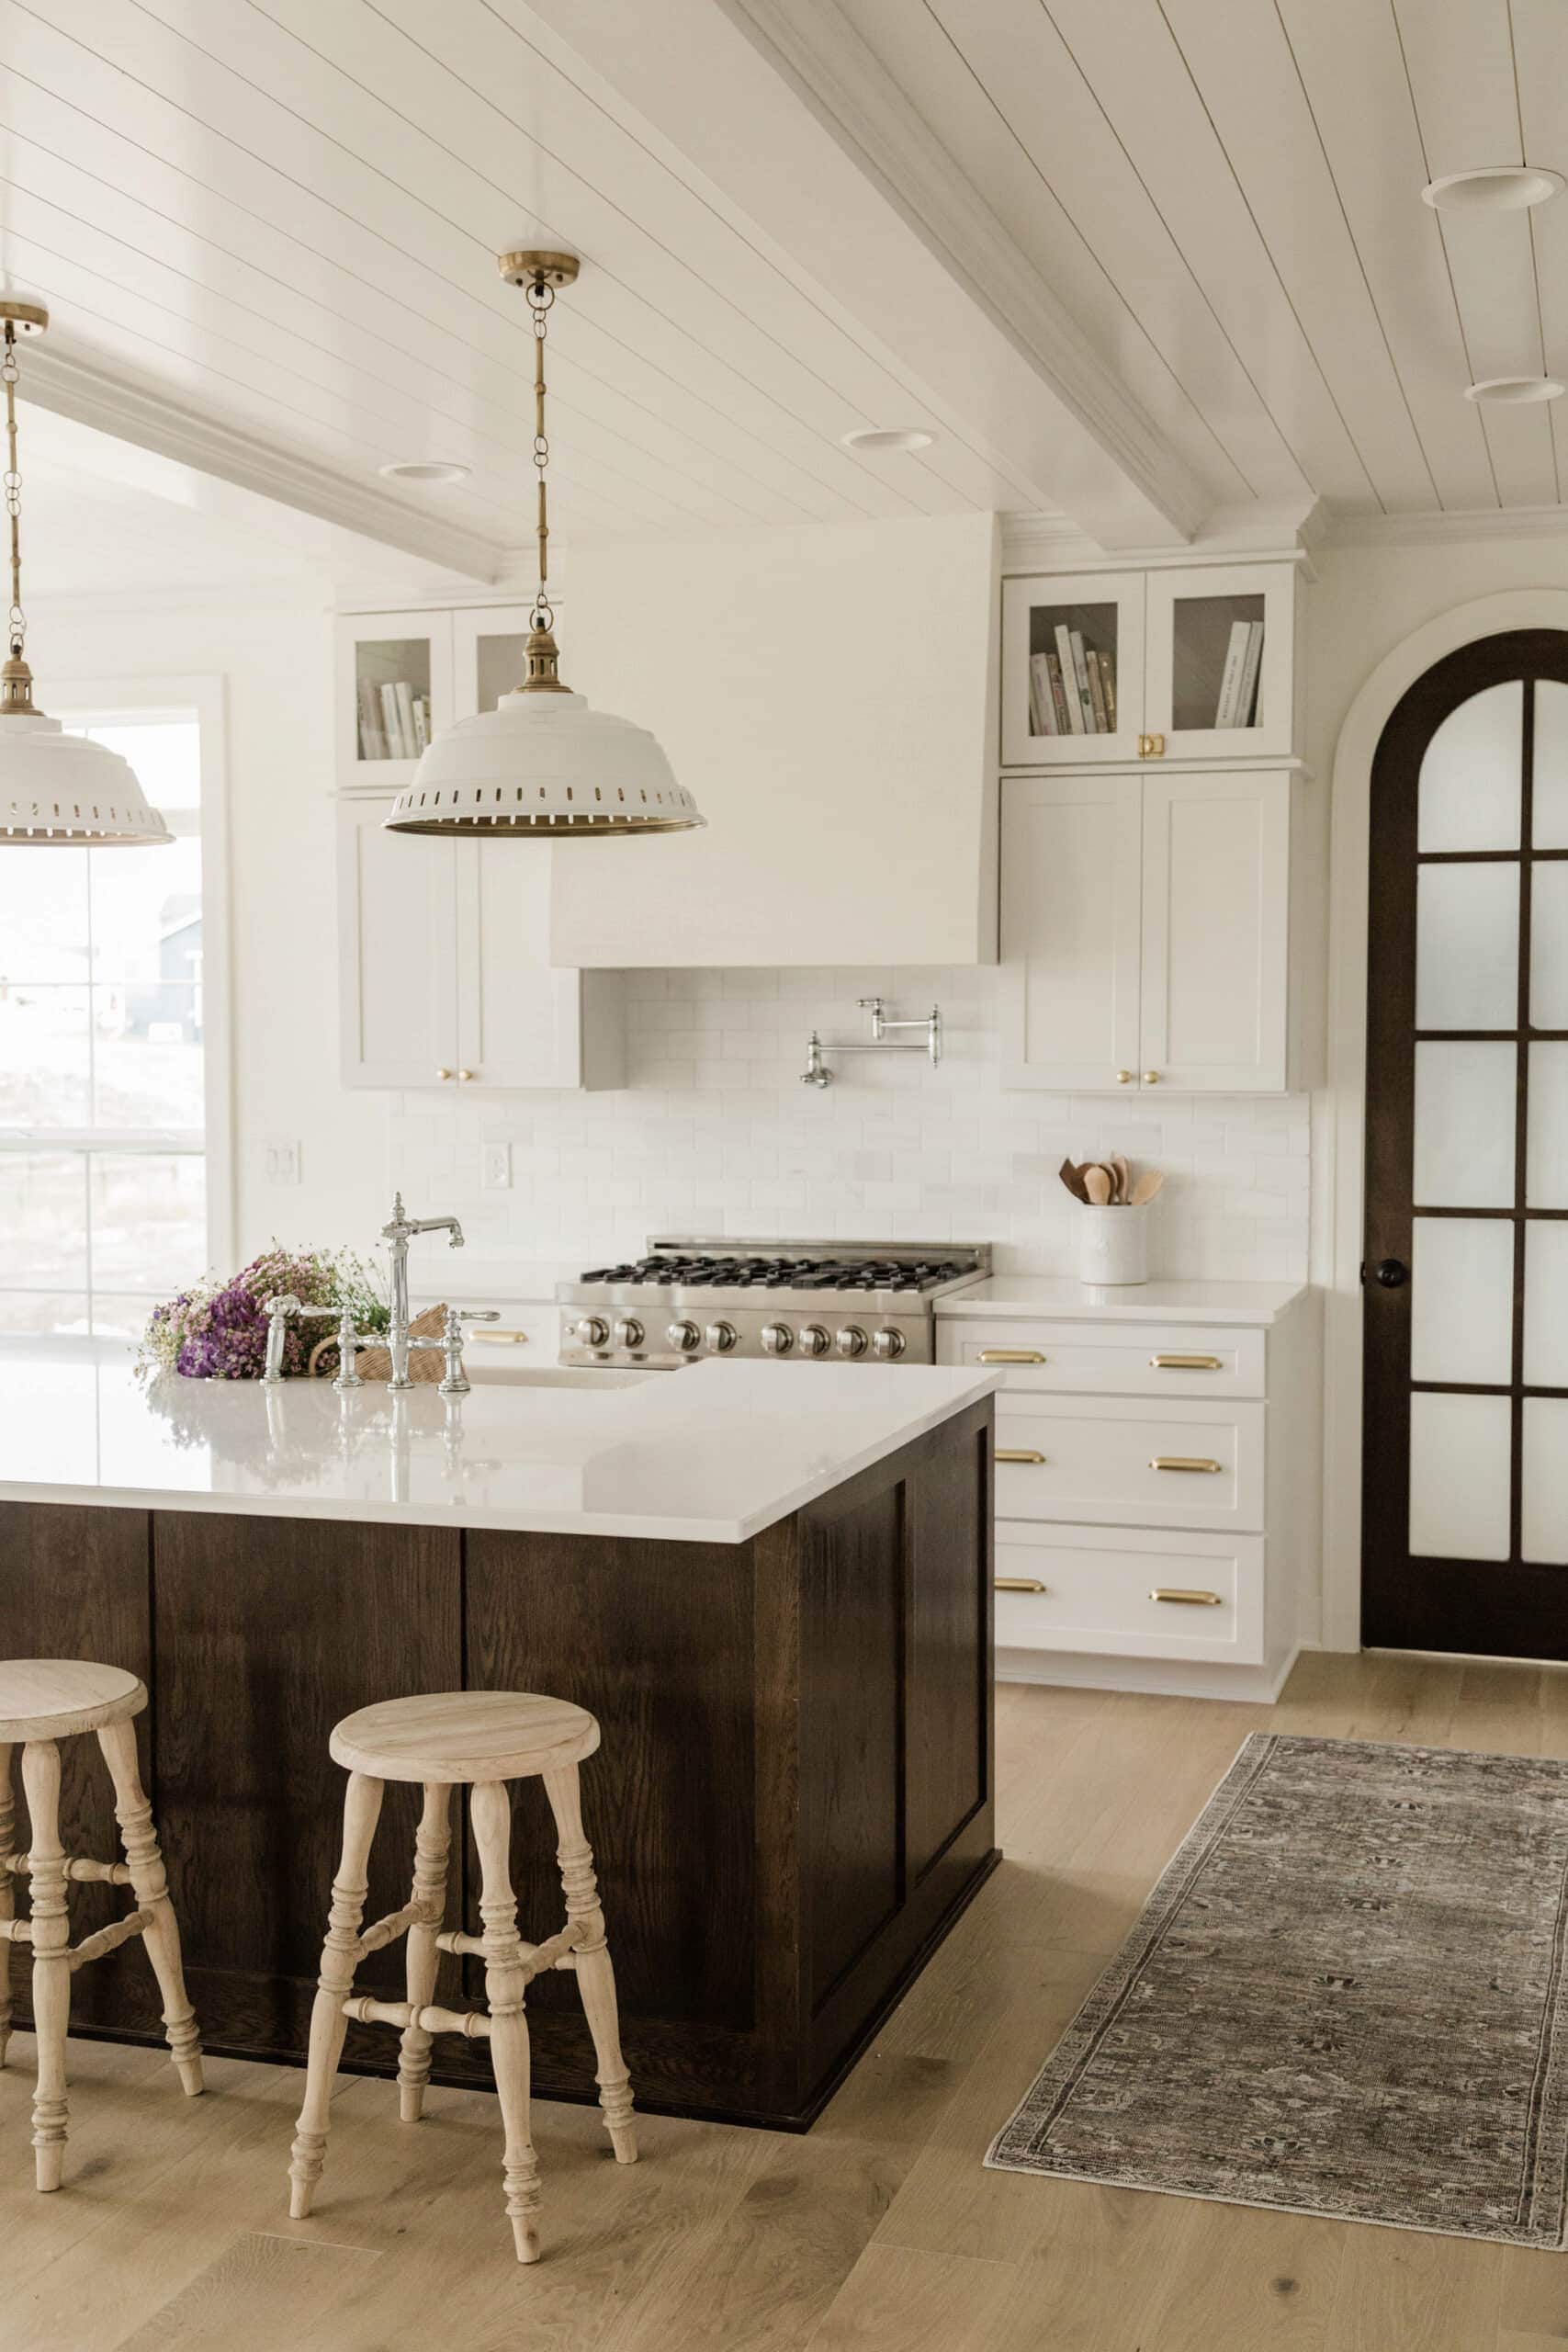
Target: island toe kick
{"x": 797, "y": 1765}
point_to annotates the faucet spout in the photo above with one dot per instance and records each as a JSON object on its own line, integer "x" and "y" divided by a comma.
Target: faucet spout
{"x": 397, "y": 1234}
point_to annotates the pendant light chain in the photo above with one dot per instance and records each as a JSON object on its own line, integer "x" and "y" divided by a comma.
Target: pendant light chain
{"x": 541, "y": 297}
{"x": 18, "y": 623}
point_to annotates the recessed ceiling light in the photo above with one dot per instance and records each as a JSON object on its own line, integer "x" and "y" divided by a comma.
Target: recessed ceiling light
{"x": 1514, "y": 391}
{"x": 426, "y": 470}
{"x": 1501, "y": 188}
{"x": 890, "y": 437}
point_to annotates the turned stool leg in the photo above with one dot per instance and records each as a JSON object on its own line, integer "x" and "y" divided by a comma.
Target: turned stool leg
{"x": 7, "y": 1893}
{"x": 51, "y": 1962}
{"x": 432, "y": 1847}
{"x": 504, "y": 1987}
{"x": 595, "y": 1971}
{"x": 361, "y": 1811}
{"x": 151, "y": 1887}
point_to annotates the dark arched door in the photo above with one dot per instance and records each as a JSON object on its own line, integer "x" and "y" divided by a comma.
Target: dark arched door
{"x": 1465, "y": 1449}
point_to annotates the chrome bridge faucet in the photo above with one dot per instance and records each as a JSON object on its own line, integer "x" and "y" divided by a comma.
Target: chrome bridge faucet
{"x": 398, "y": 1235}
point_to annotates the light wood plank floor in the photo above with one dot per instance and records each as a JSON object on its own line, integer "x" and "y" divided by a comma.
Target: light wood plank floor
{"x": 878, "y": 2232}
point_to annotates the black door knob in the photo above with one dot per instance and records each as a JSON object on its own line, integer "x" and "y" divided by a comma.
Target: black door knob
{"x": 1392, "y": 1272}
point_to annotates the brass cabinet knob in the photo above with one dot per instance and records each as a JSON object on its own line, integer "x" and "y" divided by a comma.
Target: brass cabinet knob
{"x": 465, "y": 1075}
{"x": 444, "y": 1075}
{"x": 1123, "y": 1078}
{"x": 1151, "y": 747}
{"x": 1151, "y": 1077}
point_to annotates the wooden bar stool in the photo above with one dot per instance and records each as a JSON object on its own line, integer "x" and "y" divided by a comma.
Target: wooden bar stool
{"x": 483, "y": 1739}
{"x": 42, "y": 1701}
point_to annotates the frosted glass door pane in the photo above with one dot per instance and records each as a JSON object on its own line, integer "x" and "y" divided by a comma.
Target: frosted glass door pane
{"x": 1462, "y": 1300}
{"x": 1548, "y": 943}
{"x": 1548, "y": 794}
{"x": 1546, "y": 1306}
{"x": 1465, "y": 1126}
{"x": 1543, "y": 1529}
{"x": 1546, "y": 1155}
{"x": 1470, "y": 775}
{"x": 1461, "y": 1451}
{"x": 1467, "y": 946}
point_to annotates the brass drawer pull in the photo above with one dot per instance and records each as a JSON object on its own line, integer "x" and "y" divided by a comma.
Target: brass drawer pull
{"x": 1184, "y": 1461}
{"x": 500, "y": 1339}
{"x": 1186, "y": 1363}
{"x": 1019, "y": 1584}
{"x": 1010, "y": 1355}
{"x": 1198, "y": 1599}
{"x": 1017, "y": 1454}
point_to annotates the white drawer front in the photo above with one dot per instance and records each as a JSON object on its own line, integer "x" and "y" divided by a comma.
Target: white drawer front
{"x": 1107, "y": 1458}
{"x": 1094, "y": 1588}
{"x": 1110, "y": 1359}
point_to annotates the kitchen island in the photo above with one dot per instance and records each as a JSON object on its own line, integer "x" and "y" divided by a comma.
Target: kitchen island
{"x": 771, "y": 1585}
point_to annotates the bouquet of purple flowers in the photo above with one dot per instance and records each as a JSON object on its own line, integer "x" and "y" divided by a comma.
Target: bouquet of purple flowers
{"x": 217, "y": 1332}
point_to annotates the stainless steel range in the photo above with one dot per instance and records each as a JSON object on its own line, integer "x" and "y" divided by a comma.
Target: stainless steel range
{"x": 806, "y": 1302}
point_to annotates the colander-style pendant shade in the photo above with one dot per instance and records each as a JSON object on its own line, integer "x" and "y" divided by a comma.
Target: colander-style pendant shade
{"x": 56, "y": 790}
{"x": 541, "y": 765}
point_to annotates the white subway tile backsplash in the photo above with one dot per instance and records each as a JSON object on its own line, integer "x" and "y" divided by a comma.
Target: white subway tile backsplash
{"x": 714, "y": 1132}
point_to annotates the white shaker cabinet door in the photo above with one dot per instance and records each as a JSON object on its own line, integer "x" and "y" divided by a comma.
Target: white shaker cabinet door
{"x": 1215, "y": 932}
{"x": 520, "y": 1022}
{"x": 398, "y": 952}
{"x": 1069, "y": 931}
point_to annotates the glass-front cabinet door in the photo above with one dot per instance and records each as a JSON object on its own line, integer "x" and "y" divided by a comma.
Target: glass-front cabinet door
{"x": 1072, "y": 669}
{"x": 1220, "y": 668}
{"x": 488, "y": 656}
{"x": 1466, "y": 1467}
{"x": 394, "y": 692}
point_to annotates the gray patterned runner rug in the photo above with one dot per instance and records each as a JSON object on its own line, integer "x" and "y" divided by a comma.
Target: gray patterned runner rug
{"x": 1346, "y": 1995}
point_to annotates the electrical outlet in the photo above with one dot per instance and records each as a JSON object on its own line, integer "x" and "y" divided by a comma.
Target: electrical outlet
{"x": 496, "y": 1168}
{"x": 280, "y": 1159}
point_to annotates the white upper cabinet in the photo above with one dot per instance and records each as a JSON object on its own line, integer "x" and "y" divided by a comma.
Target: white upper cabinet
{"x": 1070, "y": 914}
{"x": 1145, "y": 929}
{"x": 1192, "y": 663}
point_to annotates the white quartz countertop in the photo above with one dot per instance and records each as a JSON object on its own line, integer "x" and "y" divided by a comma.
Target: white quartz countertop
{"x": 1060, "y": 1300}
{"x": 712, "y": 1453}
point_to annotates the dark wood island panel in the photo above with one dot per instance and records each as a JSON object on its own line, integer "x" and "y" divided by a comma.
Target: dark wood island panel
{"x": 793, "y": 1803}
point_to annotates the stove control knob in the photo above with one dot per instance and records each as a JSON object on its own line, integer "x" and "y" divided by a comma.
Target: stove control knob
{"x": 683, "y": 1336}
{"x": 722, "y": 1338}
{"x": 629, "y": 1332}
{"x": 591, "y": 1331}
{"x": 777, "y": 1338}
{"x": 814, "y": 1341}
{"x": 850, "y": 1340}
{"x": 889, "y": 1344}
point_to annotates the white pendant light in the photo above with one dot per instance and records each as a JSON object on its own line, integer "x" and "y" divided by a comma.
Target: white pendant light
{"x": 57, "y": 791}
{"x": 542, "y": 767}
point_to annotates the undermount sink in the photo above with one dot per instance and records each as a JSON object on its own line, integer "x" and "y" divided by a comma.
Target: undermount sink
{"x": 488, "y": 1373}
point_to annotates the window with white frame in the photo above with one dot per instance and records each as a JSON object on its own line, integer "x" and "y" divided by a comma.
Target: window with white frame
{"x": 104, "y": 1046}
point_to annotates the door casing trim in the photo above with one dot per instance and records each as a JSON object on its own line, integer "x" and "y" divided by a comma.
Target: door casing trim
{"x": 1340, "y": 1126}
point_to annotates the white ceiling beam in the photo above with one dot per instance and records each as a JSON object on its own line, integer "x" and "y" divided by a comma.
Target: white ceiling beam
{"x": 75, "y": 385}
{"x": 805, "y": 137}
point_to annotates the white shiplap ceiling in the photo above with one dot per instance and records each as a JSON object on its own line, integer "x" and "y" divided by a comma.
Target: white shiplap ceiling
{"x": 1143, "y": 260}
{"x": 1226, "y": 193}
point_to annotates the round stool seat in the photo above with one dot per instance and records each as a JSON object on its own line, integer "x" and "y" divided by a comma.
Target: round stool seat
{"x": 463, "y": 1735}
{"x": 50, "y": 1698}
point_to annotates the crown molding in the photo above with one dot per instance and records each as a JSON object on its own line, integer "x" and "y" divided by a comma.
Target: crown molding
{"x": 70, "y": 386}
{"x": 1446, "y": 530}
{"x": 1053, "y": 543}
{"x": 818, "y": 53}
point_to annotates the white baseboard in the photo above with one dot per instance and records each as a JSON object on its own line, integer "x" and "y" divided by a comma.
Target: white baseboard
{"x": 1170, "y": 1678}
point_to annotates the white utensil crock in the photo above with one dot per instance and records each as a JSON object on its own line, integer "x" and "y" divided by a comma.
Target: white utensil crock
{"x": 1113, "y": 1244}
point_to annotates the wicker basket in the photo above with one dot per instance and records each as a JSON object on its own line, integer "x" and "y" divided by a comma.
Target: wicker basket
{"x": 426, "y": 1365}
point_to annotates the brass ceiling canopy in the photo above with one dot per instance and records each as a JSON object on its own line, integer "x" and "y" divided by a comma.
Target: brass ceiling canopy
{"x": 542, "y": 767}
